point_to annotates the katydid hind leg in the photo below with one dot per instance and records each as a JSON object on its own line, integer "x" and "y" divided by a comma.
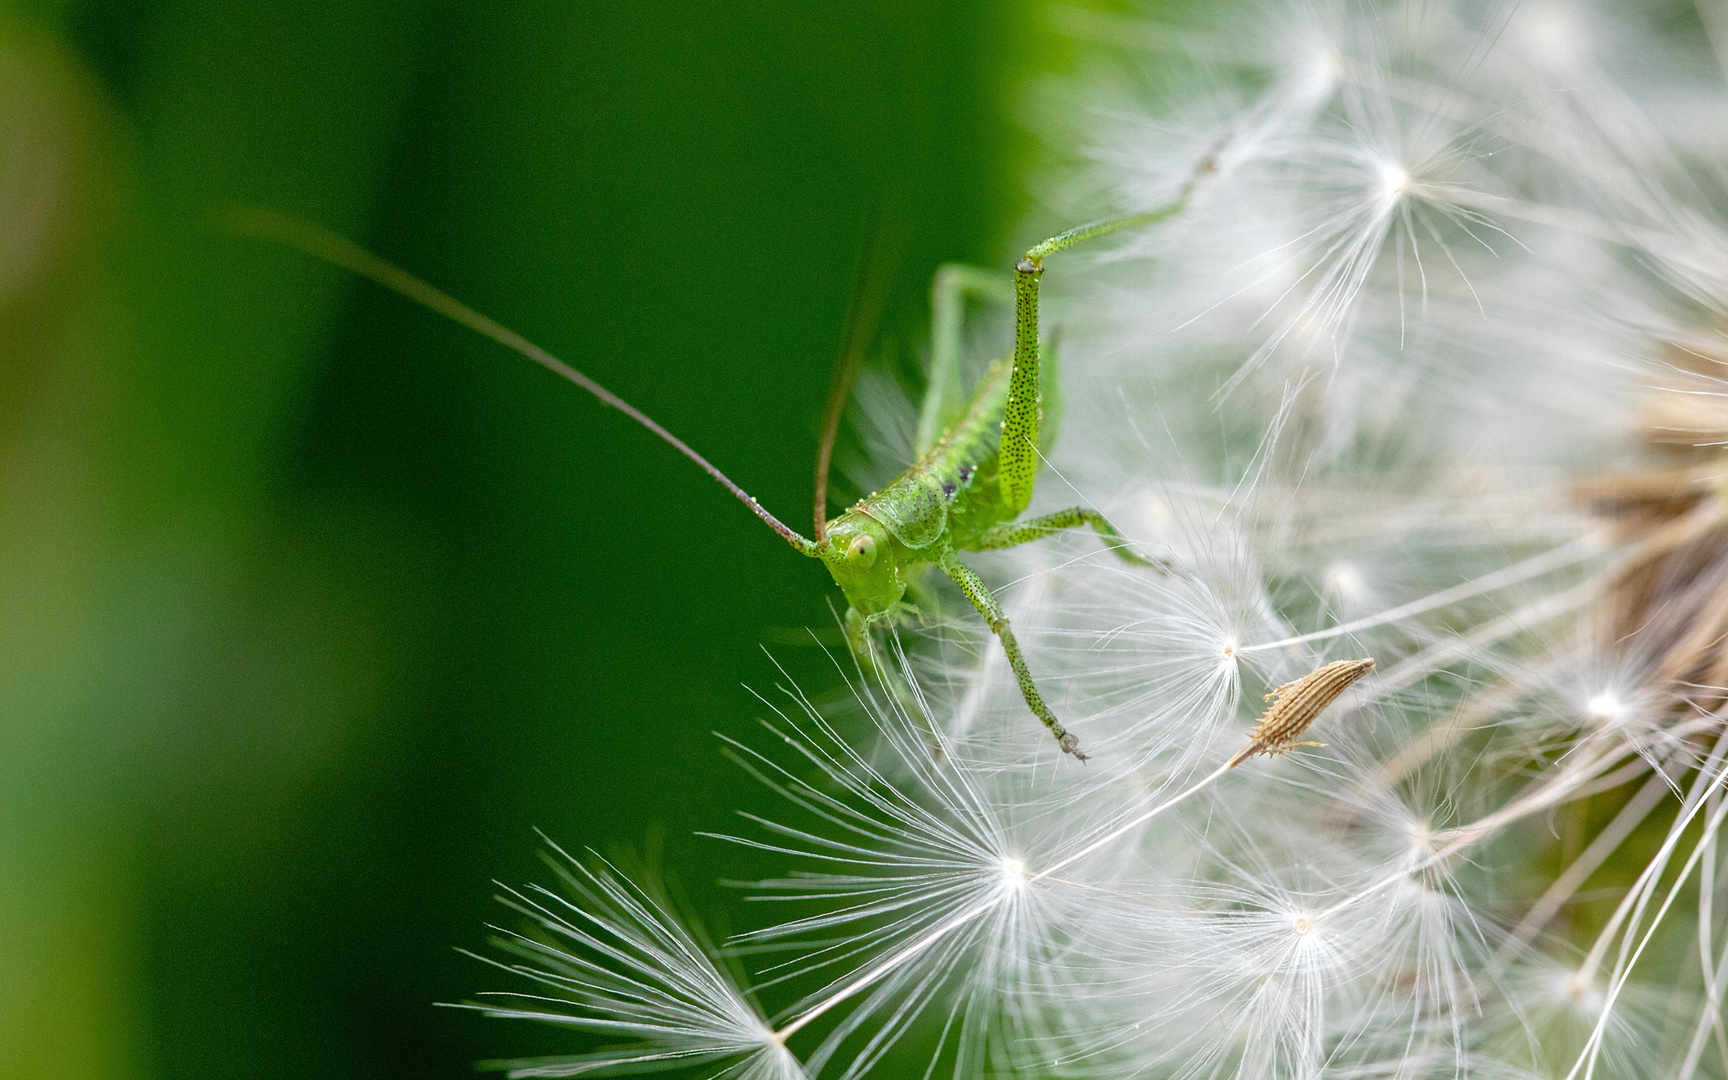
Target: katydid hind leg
{"x": 1051, "y": 404}
{"x": 1018, "y": 457}
{"x": 945, "y": 397}
{"x": 997, "y": 620}
{"x": 1020, "y": 418}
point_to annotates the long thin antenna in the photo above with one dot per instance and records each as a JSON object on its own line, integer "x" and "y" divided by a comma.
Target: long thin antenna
{"x": 322, "y": 244}
{"x": 863, "y": 315}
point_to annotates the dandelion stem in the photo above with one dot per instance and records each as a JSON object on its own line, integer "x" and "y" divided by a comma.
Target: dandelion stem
{"x": 1136, "y": 822}
{"x": 1643, "y": 888}
{"x": 886, "y": 967}
{"x": 1567, "y": 883}
{"x": 1456, "y": 839}
{"x": 1555, "y": 791}
{"x": 1711, "y": 769}
{"x": 1423, "y": 664}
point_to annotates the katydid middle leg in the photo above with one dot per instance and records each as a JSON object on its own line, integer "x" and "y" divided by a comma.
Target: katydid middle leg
{"x": 998, "y": 622}
{"x": 1014, "y": 533}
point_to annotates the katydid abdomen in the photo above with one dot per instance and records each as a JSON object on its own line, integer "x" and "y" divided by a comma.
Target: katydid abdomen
{"x": 951, "y": 496}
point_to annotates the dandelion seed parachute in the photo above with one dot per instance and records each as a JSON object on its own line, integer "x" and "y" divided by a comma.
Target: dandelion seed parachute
{"x": 611, "y": 958}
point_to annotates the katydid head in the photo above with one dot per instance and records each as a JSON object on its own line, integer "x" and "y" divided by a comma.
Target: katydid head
{"x": 860, "y": 553}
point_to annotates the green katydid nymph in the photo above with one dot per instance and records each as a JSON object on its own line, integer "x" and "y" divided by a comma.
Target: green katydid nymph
{"x": 976, "y": 465}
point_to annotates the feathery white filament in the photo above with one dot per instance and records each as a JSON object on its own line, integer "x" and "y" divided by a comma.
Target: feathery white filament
{"x": 1443, "y": 259}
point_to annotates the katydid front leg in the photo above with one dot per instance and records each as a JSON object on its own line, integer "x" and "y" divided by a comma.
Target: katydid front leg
{"x": 858, "y": 638}
{"x": 998, "y": 623}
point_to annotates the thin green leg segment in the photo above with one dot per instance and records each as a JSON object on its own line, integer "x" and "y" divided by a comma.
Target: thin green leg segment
{"x": 998, "y": 623}
{"x": 1014, "y": 533}
{"x": 1019, "y": 454}
{"x": 945, "y": 400}
{"x": 858, "y": 638}
{"x": 1018, "y": 458}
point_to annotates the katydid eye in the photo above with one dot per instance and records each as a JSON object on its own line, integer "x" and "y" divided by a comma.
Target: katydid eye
{"x": 861, "y": 555}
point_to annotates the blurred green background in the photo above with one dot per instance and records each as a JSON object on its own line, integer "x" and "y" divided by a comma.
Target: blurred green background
{"x": 312, "y": 605}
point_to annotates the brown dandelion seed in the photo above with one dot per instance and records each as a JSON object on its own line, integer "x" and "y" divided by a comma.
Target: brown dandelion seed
{"x": 1298, "y": 705}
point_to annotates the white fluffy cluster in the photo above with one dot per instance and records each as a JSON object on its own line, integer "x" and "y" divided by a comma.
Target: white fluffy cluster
{"x": 1452, "y": 259}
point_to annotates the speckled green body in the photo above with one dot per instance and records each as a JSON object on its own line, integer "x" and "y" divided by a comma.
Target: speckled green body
{"x": 971, "y": 483}
{"x": 948, "y": 500}
{"x": 953, "y": 493}
{"x": 969, "y": 487}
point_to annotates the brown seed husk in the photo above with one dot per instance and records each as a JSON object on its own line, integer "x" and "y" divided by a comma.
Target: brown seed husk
{"x": 1298, "y": 704}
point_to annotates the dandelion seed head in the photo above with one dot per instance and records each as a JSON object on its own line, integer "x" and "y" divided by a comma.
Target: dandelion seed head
{"x": 1315, "y": 69}
{"x": 613, "y": 959}
{"x": 1158, "y": 512}
{"x": 1579, "y": 989}
{"x": 1394, "y": 180}
{"x": 1344, "y": 582}
{"x": 1328, "y": 66}
{"x": 1605, "y": 708}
